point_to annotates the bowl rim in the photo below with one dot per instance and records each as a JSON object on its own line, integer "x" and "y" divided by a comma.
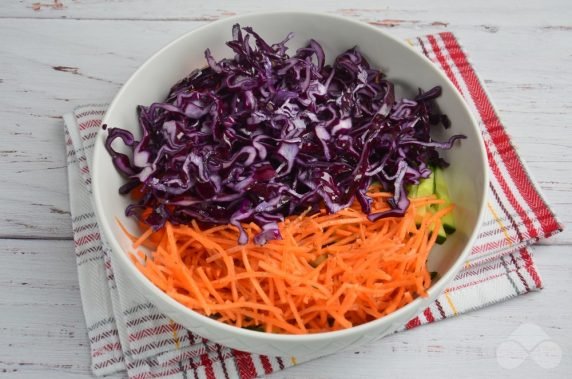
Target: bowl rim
{"x": 135, "y": 274}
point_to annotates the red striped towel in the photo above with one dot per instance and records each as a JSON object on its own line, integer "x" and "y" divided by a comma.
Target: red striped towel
{"x": 128, "y": 333}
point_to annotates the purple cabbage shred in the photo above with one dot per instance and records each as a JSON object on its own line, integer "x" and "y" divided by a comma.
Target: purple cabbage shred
{"x": 265, "y": 135}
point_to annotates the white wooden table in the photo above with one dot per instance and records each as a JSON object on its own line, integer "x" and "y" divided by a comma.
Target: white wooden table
{"x": 54, "y": 57}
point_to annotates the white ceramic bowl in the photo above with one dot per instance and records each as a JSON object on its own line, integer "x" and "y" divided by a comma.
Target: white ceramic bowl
{"x": 467, "y": 175}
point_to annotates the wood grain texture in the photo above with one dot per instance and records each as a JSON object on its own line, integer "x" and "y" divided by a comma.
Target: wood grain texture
{"x": 489, "y": 13}
{"x": 42, "y": 332}
{"x": 56, "y": 58}
{"x": 71, "y": 62}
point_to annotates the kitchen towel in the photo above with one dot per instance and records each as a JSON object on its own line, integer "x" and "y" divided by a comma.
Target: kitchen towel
{"x": 127, "y": 333}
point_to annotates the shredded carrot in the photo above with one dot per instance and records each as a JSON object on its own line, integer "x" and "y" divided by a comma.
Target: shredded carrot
{"x": 329, "y": 271}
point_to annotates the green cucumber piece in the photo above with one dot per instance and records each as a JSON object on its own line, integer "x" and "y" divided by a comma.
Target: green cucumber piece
{"x": 424, "y": 188}
{"x": 412, "y": 190}
{"x": 442, "y": 193}
{"x": 441, "y": 236}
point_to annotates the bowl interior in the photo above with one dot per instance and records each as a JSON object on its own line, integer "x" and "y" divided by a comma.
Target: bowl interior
{"x": 409, "y": 71}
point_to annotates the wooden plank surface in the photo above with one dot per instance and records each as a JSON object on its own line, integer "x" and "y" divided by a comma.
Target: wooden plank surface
{"x": 42, "y": 332}
{"x": 491, "y": 14}
{"x": 57, "y": 57}
{"x": 71, "y": 62}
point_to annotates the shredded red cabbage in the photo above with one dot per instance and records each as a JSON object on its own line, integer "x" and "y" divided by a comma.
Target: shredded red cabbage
{"x": 265, "y": 135}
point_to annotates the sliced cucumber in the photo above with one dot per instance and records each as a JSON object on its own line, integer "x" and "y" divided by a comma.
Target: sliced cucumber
{"x": 424, "y": 188}
{"x": 441, "y": 236}
{"x": 412, "y": 190}
{"x": 428, "y": 187}
{"x": 442, "y": 193}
